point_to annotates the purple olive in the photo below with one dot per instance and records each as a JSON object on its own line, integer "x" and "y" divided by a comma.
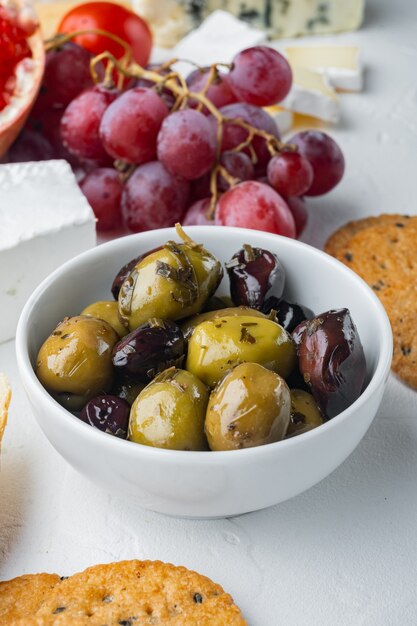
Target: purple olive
{"x": 331, "y": 360}
{"x": 288, "y": 314}
{"x": 107, "y": 413}
{"x": 149, "y": 349}
{"x": 124, "y": 272}
{"x": 255, "y": 275}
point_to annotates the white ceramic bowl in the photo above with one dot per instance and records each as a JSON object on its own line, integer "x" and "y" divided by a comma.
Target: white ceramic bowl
{"x": 206, "y": 484}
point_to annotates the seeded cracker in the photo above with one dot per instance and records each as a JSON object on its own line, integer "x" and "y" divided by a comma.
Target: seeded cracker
{"x": 22, "y": 596}
{"x": 129, "y": 593}
{"x": 343, "y": 235}
{"x": 384, "y": 254}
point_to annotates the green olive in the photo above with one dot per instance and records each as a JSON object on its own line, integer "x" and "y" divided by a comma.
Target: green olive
{"x": 188, "y": 326}
{"x": 108, "y": 311}
{"x": 74, "y": 363}
{"x": 250, "y": 407}
{"x": 170, "y": 411}
{"x": 216, "y": 346}
{"x": 171, "y": 283}
{"x": 305, "y": 413}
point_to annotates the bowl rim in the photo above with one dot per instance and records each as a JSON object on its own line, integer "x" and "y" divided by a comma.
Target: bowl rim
{"x": 27, "y": 373}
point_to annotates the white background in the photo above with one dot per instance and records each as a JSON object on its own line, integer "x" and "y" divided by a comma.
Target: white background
{"x": 343, "y": 553}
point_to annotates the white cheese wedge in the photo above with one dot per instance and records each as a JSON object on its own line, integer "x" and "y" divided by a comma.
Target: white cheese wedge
{"x": 208, "y": 43}
{"x": 172, "y": 19}
{"x": 311, "y": 94}
{"x": 45, "y": 220}
{"x": 282, "y": 117}
{"x": 340, "y": 64}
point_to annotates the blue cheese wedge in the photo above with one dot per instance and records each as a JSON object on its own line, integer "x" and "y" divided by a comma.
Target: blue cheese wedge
{"x": 311, "y": 94}
{"x": 45, "y": 220}
{"x": 340, "y": 64}
{"x": 170, "y": 20}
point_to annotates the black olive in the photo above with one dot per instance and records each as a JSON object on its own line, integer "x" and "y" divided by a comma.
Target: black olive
{"x": 150, "y": 349}
{"x": 255, "y": 275}
{"x": 331, "y": 360}
{"x": 107, "y": 413}
{"x": 288, "y": 314}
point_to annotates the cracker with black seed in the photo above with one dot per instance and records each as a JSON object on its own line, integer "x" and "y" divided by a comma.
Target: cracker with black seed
{"x": 22, "y": 596}
{"x": 133, "y": 593}
{"x": 385, "y": 256}
{"x": 340, "y": 238}
{"x": 404, "y": 330}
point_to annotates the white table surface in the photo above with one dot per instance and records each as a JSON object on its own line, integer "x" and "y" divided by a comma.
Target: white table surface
{"x": 345, "y": 552}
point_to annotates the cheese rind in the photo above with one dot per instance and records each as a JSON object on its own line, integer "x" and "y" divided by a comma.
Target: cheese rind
{"x": 311, "y": 94}
{"x": 340, "y": 64}
{"x": 283, "y": 118}
{"x": 172, "y": 19}
{"x": 45, "y": 220}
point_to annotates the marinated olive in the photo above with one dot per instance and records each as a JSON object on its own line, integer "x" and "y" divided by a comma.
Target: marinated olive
{"x": 188, "y": 326}
{"x": 331, "y": 360}
{"x": 305, "y": 413}
{"x": 150, "y": 349}
{"x": 108, "y": 311}
{"x": 171, "y": 283}
{"x": 107, "y": 413}
{"x": 170, "y": 412}
{"x": 250, "y": 407}
{"x": 128, "y": 390}
{"x": 288, "y": 314}
{"x": 255, "y": 275}
{"x": 74, "y": 363}
{"x": 217, "y": 345}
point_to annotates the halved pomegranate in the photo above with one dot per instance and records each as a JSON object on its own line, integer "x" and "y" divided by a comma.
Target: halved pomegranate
{"x": 21, "y": 68}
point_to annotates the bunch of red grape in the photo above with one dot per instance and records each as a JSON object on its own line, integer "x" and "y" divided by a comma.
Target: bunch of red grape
{"x": 160, "y": 151}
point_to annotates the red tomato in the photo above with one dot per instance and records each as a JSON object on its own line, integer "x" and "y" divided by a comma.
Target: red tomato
{"x": 116, "y": 20}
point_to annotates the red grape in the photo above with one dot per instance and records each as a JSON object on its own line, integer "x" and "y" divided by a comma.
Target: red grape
{"x": 103, "y": 190}
{"x": 255, "y": 205}
{"x": 164, "y": 92}
{"x": 153, "y": 198}
{"x": 67, "y": 74}
{"x": 30, "y": 146}
{"x": 197, "y": 214}
{"x": 325, "y": 157}
{"x": 260, "y": 76}
{"x": 187, "y": 144}
{"x": 130, "y": 125}
{"x": 233, "y": 135}
{"x": 81, "y": 121}
{"x": 238, "y": 165}
{"x": 219, "y": 92}
{"x": 290, "y": 174}
{"x": 299, "y": 212}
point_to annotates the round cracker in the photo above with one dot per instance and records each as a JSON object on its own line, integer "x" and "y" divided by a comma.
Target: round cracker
{"x": 342, "y": 236}
{"x": 22, "y": 596}
{"x": 143, "y": 592}
{"x": 404, "y": 330}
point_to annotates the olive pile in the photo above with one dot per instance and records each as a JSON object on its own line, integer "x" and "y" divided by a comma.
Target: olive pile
{"x": 169, "y": 364}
